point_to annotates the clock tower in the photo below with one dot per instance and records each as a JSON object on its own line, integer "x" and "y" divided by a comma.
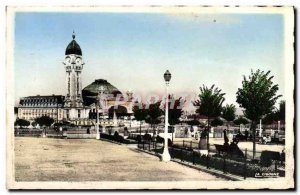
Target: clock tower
{"x": 73, "y": 64}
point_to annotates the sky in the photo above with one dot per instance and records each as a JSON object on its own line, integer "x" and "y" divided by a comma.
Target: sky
{"x": 133, "y": 50}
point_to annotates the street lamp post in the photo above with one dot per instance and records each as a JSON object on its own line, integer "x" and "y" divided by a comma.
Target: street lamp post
{"x": 103, "y": 108}
{"x": 166, "y": 156}
{"x": 98, "y": 99}
{"x": 260, "y": 129}
{"x": 97, "y": 118}
{"x": 172, "y": 134}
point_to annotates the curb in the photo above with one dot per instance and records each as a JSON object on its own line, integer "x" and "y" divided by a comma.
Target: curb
{"x": 111, "y": 141}
{"x": 200, "y": 168}
{"x": 145, "y": 151}
{"x": 210, "y": 171}
{"x": 115, "y": 142}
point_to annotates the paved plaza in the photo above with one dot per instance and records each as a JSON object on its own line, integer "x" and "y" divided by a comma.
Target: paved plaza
{"x": 45, "y": 159}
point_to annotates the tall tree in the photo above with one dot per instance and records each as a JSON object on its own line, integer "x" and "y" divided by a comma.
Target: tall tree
{"x": 22, "y": 123}
{"x": 258, "y": 97}
{"x": 44, "y": 121}
{"x": 241, "y": 120}
{"x": 216, "y": 122}
{"x": 276, "y": 115}
{"x": 270, "y": 118}
{"x": 140, "y": 113}
{"x": 175, "y": 108}
{"x": 153, "y": 113}
{"x": 229, "y": 113}
{"x": 281, "y": 111}
{"x": 193, "y": 123}
{"x": 209, "y": 104}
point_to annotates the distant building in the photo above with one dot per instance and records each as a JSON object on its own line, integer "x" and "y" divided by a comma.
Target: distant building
{"x": 78, "y": 106}
{"x": 112, "y": 99}
{"x": 32, "y": 107}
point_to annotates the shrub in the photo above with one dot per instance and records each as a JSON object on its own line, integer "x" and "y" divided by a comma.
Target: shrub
{"x": 234, "y": 166}
{"x": 22, "y": 122}
{"x": 109, "y": 131}
{"x": 116, "y": 134}
{"x": 267, "y": 157}
{"x": 120, "y": 139}
{"x": 162, "y": 140}
{"x": 45, "y": 121}
{"x": 139, "y": 138}
{"x": 159, "y": 139}
{"x": 147, "y": 137}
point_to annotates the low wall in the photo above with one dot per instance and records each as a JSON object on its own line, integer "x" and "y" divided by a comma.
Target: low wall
{"x": 81, "y": 136}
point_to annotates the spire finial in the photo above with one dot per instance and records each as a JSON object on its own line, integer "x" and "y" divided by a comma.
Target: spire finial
{"x": 73, "y": 35}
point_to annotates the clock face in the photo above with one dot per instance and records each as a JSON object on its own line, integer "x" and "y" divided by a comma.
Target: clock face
{"x": 68, "y": 59}
{"x": 78, "y": 60}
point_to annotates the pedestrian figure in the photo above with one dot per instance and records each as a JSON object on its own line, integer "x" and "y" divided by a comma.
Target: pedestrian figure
{"x": 44, "y": 132}
{"x": 196, "y": 135}
{"x": 246, "y": 135}
{"x": 226, "y": 140}
{"x": 186, "y": 132}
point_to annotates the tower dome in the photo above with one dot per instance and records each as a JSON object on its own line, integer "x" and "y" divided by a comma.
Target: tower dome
{"x": 73, "y": 47}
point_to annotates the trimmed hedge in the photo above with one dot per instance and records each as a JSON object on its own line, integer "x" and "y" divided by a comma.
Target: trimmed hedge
{"x": 162, "y": 140}
{"x": 226, "y": 164}
{"x": 135, "y": 137}
{"x": 117, "y": 138}
{"x": 267, "y": 157}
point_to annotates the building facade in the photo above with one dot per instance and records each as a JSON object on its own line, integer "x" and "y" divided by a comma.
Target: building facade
{"x": 77, "y": 105}
{"x": 32, "y": 107}
{"x": 111, "y": 100}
